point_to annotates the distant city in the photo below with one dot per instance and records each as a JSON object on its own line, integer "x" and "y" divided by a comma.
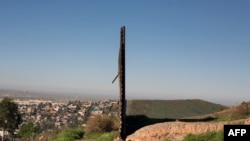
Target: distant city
{"x": 54, "y": 111}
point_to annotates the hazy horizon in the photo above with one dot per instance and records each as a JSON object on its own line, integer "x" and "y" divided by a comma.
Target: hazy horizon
{"x": 174, "y": 49}
{"x": 96, "y": 96}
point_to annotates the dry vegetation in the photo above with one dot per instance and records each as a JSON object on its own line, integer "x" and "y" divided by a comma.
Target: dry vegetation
{"x": 101, "y": 123}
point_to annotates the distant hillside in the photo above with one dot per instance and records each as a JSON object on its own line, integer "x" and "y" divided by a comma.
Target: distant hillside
{"x": 174, "y": 109}
{"x": 233, "y": 113}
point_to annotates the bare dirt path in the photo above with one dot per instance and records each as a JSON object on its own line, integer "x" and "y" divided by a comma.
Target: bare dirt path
{"x": 176, "y": 131}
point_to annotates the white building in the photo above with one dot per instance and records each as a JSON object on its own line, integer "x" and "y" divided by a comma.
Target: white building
{"x": 3, "y": 133}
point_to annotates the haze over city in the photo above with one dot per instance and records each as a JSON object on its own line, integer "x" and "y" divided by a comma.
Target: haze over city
{"x": 174, "y": 49}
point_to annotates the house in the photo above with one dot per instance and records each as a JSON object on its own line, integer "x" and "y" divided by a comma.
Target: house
{"x": 5, "y": 133}
{"x": 97, "y": 111}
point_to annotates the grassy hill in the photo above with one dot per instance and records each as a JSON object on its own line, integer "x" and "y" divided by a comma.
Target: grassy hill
{"x": 233, "y": 113}
{"x": 173, "y": 109}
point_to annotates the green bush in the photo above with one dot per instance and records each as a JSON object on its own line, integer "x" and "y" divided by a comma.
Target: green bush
{"x": 110, "y": 136}
{"x": 209, "y": 136}
{"x": 27, "y": 130}
{"x": 68, "y": 135}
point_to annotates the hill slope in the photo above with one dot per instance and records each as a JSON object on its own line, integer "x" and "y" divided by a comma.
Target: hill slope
{"x": 176, "y": 130}
{"x": 174, "y": 109}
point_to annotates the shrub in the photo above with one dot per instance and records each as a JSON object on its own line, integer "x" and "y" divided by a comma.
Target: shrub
{"x": 102, "y": 136}
{"x": 101, "y": 123}
{"x": 26, "y": 130}
{"x": 240, "y": 112}
{"x": 68, "y": 135}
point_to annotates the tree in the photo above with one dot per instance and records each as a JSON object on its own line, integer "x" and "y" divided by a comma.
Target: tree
{"x": 28, "y": 130}
{"x": 10, "y": 118}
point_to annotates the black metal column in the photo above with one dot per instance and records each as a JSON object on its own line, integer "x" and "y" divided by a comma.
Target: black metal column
{"x": 121, "y": 73}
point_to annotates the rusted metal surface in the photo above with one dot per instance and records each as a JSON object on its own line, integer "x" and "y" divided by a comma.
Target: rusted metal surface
{"x": 121, "y": 72}
{"x": 121, "y": 75}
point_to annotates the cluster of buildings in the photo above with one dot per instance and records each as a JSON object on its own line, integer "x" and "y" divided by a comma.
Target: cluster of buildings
{"x": 48, "y": 115}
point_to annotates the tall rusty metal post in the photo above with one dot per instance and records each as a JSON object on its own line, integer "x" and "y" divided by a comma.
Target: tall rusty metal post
{"x": 121, "y": 73}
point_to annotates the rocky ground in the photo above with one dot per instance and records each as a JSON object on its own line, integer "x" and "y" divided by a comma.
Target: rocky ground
{"x": 176, "y": 131}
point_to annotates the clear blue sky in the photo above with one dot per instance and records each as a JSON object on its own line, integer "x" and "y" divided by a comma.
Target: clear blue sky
{"x": 175, "y": 49}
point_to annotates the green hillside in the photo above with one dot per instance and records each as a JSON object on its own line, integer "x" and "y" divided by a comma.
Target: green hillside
{"x": 174, "y": 109}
